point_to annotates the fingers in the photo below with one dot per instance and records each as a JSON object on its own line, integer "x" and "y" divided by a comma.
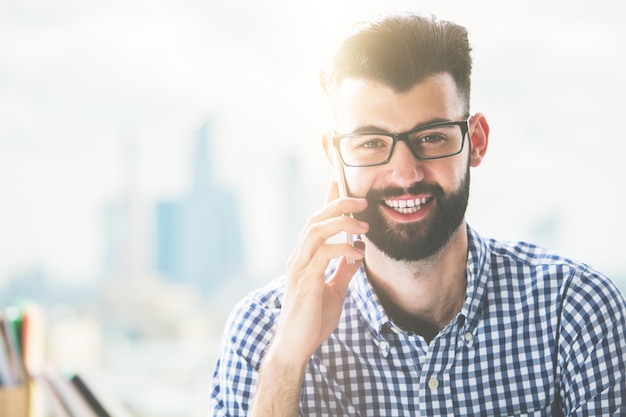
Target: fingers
{"x": 315, "y": 236}
{"x": 336, "y": 208}
{"x": 329, "y": 221}
{"x": 319, "y": 261}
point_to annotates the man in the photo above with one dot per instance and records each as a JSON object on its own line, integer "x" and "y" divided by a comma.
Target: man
{"x": 422, "y": 316}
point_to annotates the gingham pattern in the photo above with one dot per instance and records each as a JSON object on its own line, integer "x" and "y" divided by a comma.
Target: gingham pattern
{"x": 538, "y": 335}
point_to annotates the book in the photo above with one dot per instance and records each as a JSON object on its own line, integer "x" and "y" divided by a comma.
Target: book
{"x": 52, "y": 403}
{"x": 32, "y": 337}
{"x": 89, "y": 395}
{"x": 10, "y": 350}
{"x": 97, "y": 392}
{"x": 6, "y": 376}
{"x": 66, "y": 394}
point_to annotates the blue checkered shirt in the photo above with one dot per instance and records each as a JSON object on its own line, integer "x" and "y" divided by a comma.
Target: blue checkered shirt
{"x": 538, "y": 335}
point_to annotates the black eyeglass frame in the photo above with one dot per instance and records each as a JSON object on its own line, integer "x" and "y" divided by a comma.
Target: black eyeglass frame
{"x": 404, "y": 137}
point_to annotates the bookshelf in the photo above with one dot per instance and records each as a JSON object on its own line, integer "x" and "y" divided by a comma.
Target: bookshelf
{"x": 29, "y": 387}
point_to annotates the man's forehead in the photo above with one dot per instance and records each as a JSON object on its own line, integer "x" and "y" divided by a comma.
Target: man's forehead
{"x": 358, "y": 101}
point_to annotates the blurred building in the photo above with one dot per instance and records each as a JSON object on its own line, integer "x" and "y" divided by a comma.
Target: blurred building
{"x": 199, "y": 238}
{"x": 300, "y": 201}
{"x": 126, "y": 223}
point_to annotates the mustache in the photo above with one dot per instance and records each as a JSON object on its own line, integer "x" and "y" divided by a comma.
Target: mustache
{"x": 390, "y": 192}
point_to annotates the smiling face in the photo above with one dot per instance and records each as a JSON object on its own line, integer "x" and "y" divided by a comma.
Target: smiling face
{"x": 414, "y": 206}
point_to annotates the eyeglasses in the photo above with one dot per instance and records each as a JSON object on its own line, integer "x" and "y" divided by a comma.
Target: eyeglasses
{"x": 431, "y": 141}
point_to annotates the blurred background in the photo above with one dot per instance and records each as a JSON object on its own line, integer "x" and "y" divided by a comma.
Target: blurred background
{"x": 158, "y": 159}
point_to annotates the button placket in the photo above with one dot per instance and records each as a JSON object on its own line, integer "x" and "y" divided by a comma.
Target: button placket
{"x": 437, "y": 382}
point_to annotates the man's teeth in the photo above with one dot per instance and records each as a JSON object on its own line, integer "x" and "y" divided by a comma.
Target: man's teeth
{"x": 406, "y": 206}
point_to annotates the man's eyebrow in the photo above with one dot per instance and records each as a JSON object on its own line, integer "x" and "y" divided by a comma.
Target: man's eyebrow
{"x": 369, "y": 129}
{"x": 429, "y": 122}
{"x": 376, "y": 129}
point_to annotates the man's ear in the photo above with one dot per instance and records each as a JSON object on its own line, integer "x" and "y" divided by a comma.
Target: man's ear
{"x": 479, "y": 136}
{"x": 327, "y": 144}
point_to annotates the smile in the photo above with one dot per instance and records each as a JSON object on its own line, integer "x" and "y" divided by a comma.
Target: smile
{"x": 406, "y": 206}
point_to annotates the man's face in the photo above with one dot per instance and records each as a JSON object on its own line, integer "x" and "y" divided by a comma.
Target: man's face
{"x": 414, "y": 206}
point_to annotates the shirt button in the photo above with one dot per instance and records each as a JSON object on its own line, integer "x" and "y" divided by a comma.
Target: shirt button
{"x": 468, "y": 336}
{"x": 433, "y": 383}
{"x": 396, "y": 330}
{"x": 383, "y": 345}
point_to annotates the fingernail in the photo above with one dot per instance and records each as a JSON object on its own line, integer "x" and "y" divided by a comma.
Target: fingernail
{"x": 359, "y": 244}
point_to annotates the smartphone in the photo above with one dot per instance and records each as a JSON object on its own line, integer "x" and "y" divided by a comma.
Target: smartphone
{"x": 343, "y": 192}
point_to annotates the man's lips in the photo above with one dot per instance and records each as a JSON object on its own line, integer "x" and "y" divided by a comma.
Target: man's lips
{"x": 407, "y": 205}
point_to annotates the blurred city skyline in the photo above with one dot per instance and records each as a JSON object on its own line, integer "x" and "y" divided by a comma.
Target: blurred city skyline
{"x": 81, "y": 80}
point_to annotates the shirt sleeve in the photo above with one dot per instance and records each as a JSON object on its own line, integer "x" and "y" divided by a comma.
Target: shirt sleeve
{"x": 248, "y": 331}
{"x": 592, "y": 347}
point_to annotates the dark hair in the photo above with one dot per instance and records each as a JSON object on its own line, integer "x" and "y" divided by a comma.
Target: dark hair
{"x": 401, "y": 50}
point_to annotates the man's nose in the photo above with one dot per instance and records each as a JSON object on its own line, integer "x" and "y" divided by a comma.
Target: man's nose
{"x": 404, "y": 168}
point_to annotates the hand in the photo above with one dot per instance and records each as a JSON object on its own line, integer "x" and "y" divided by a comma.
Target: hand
{"x": 312, "y": 306}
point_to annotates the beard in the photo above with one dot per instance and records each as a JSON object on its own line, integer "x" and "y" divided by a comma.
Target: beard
{"x": 416, "y": 241}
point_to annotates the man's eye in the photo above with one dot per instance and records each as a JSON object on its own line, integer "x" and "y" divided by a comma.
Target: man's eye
{"x": 373, "y": 143}
{"x": 432, "y": 139}
{"x": 368, "y": 143}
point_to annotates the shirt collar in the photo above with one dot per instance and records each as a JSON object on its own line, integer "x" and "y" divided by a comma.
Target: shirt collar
{"x": 376, "y": 318}
{"x": 367, "y": 302}
{"x": 477, "y": 275}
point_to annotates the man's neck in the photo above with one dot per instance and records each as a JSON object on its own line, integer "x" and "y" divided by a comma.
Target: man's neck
{"x": 422, "y": 296}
